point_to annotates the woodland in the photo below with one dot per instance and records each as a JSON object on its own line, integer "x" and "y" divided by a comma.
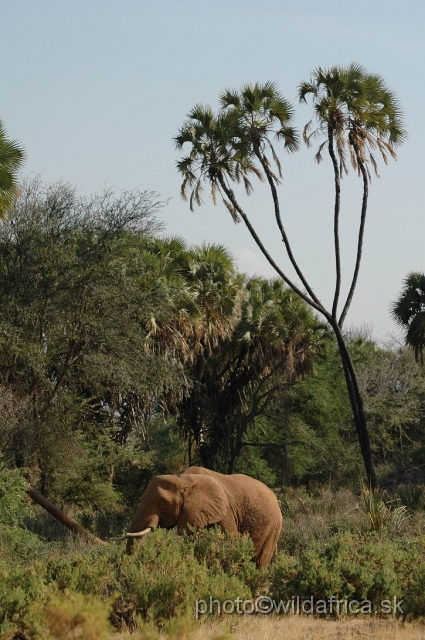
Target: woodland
{"x": 126, "y": 353}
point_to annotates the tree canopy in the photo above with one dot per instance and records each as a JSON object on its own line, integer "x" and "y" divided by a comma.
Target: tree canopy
{"x": 12, "y": 157}
{"x": 409, "y": 312}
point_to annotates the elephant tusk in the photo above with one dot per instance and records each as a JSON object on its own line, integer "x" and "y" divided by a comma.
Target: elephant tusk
{"x": 139, "y": 534}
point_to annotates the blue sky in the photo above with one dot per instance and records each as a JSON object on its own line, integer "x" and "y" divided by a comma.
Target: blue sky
{"x": 96, "y": 89}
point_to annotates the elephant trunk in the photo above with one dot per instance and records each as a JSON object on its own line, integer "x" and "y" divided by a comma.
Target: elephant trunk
{"x": 140, "y": 527}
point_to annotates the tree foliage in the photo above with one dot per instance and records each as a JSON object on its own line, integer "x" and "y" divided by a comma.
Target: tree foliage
{"x": 408, "y": 311}
{"x": 75, "y": 301}
{"x": 12, "y": 157}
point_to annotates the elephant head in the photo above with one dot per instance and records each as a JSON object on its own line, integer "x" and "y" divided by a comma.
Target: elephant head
{"x": 186, "y": 502}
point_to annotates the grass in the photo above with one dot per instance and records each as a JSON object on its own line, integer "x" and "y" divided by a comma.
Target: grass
{"x": 291, "y": 628}
{"x": 307, "y": 628}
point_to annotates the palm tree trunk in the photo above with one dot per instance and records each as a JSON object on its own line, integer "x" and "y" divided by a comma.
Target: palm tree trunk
{"x": 359, "y": 241}
{"x": 337, "y": 207}
{"x": 280, "y": 224}
{"x": 356, "y": 406}
{"x": 349, "y": 372}
{"x": 229, "y": 193}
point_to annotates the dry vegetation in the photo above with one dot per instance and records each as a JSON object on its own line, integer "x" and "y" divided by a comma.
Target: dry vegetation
{"x": 307, "y": 628}
{"x": 292, "y": 628}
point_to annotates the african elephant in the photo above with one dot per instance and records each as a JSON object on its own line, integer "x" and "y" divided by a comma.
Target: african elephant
{"x": 199, "y": 497}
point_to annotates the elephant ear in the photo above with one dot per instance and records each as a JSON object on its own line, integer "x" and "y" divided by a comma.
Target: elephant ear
{"x": 204, "y": 503}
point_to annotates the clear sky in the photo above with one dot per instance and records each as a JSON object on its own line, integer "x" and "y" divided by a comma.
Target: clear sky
{"x": 96, "y": 89}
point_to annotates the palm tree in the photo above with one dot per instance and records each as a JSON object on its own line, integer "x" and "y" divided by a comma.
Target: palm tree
{"x": 217, "y": 150}
{"x": 409, "y": 312}
{"x": 275, "y": 344}
{"x": 273, "y": 341}
{"x": 261, "y": 112}
{"x": 355, "y": 110}
{"x": 11, "y": 159}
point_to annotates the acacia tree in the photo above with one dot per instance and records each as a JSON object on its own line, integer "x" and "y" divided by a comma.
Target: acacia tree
{"x": 409, "y": 312}
{"x": 355, "y": 111}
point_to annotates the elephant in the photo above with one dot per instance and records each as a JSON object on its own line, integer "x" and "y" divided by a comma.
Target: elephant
{"x": 199, "y": 498}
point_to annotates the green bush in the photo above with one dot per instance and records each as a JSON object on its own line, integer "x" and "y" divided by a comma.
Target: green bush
{"x": 163, "y": 577}
{"x": 19, "y": 545}
{"x": 14, "y": 504}
{"x": 72, "y": 616}
{"x": 158, "y": 585}
{"x": 370, "y": 567}
{"x": 231, "y": 554}
{"x": 22, "y": 590}
{"x": 89, "y": 570}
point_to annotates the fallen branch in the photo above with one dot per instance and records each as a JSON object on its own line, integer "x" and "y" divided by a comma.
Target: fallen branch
{"x": 60, "y": 515}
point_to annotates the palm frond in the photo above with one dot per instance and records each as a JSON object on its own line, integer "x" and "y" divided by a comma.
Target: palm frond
{"x": 360, "y": 110}
{"x": 235, "y": 216}
{"x": 318, "y": 157}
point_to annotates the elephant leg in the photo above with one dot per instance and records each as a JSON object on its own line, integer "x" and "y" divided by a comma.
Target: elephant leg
{"x": 265, "y": 551}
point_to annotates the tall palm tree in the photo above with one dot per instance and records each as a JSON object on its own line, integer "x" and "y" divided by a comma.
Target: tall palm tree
{"x": 11, "y": 159}
{"x": 355, "y": 110}
{"x": 224, "y": 148}
{"x": 409, "y": 312}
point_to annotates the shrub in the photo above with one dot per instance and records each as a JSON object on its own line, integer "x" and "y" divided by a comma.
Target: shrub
{"x": 13, "y": 498}
{"x": 348, "y": 566}
{"x": 89, "y": 570}
{"x": 383, "y": 515}
{"x": 309, "y": 519}
{"x": 72, "y": 616}
{"x": 233, "y": 555}
{"x": 22, "y": 589}
{"x": 19, "y": 545}
{"x": 163, "y": 577}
